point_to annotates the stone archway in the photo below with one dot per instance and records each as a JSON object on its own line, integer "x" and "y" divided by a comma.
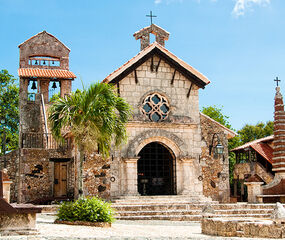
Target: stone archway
{"x": 177, "y": 146}
{"x": 156, "y": 170}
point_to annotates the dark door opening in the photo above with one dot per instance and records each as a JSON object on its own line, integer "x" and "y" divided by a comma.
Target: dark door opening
{"x": 156, "y": 170}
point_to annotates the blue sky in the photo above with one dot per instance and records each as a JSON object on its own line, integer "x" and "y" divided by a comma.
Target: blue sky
{"x": 238, "y": 44}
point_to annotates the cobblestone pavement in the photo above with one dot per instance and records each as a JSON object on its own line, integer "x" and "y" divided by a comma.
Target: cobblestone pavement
{"x": 138, "y": 230}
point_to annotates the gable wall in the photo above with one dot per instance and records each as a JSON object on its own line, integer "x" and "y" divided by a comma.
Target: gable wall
{"x": 180, "y": 131}
{"x": 149, "y": 81}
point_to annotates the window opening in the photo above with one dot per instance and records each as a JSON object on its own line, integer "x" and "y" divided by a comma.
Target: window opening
{"x": 44, "y": 61}
{"x": 155, "y": 107}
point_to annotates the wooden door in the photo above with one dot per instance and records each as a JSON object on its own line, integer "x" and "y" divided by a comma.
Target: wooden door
{"x": 60, "y": 179}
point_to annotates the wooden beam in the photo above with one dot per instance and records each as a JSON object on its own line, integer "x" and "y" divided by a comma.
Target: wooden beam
{"x": 188, "y": 94}
{"x": 158, "y": 65}
{"x": 136, "y": 77}
{"x": 173, "y": 76}
{"x": 151, "y": 65}
{"x": 118, "y": 88}
{"x": 191, "y": 77}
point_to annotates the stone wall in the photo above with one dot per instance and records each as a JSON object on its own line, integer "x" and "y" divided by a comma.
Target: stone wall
{"x": 11, "y": 162}
{"x": 44, "y": 44}
{"x": 96, "y": 176}
{"x": 215, "y": 169}
{"x": 37, "y": 174}
{"x": 242, "y": 228}
{"x": 243, "y": 170}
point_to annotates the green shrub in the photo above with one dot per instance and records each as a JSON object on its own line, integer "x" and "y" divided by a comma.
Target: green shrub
{"x": 86, "y": 209}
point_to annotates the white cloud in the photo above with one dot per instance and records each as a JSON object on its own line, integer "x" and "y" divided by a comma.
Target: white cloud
{"x": 241, "y": 6}
{"x": 157, "y": 1}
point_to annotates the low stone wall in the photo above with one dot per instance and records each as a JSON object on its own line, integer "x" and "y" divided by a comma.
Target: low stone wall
{"x": 241, "y": 227}
{"x": 17, "y": 224}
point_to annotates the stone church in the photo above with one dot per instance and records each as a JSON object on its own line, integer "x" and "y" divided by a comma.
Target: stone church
{"x": 172, "y": 148}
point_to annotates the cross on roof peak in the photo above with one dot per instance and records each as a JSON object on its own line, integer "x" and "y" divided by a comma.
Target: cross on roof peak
{"x": 277, "y": 80}
{"x": 150, "y": 16}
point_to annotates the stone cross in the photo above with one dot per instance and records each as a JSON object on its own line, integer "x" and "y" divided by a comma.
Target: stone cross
{"x": 151, "y": 16}
{"x": 277, "y": 80}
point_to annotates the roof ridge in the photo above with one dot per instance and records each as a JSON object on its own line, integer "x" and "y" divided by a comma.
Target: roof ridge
{"x": 221, "y": 125}
{"x": 169, "y": 54}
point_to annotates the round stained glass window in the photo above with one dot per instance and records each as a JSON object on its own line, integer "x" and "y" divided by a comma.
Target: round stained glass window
{"x": 155, "y": 107}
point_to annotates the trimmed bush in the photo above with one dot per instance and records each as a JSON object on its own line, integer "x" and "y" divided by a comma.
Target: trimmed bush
{"x": 86, "y": 209}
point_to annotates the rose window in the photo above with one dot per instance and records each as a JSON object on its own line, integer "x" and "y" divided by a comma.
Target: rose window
{"x": 155, "y": 107}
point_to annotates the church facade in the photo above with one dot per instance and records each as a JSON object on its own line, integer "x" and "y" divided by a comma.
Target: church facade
{"x": 172, "y": 148}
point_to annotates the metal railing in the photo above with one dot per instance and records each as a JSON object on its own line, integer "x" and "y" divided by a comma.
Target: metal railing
{"x": 43, "y": 141}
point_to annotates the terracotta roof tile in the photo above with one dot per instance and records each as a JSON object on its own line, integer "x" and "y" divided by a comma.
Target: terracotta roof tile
{"x": 246, "y": 145}
{"x": 45, "y": 73}
{"x": 264, "y": 150}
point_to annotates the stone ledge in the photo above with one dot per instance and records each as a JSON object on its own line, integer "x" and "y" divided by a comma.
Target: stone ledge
{"x": 242, "y": 227}
{"x": 85, "y": 223}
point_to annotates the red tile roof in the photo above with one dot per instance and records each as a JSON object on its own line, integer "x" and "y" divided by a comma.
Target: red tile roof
{"x": 145, "y": 51}
{"x": 246, "y": 145}
{"x": 264, "y": 150}
{"x": 45, "y": 73}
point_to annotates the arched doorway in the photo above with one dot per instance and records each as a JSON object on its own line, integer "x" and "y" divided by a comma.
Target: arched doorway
{"x": 156, "y": 170}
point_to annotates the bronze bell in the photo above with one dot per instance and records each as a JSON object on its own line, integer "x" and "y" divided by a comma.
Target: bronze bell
{"x": 34, "y": 85}
{"x": 54, "y": 85}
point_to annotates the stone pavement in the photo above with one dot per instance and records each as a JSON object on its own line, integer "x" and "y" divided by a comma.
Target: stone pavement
{"x": 136, "y": 230}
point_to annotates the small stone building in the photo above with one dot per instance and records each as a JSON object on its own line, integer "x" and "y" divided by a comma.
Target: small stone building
{"x": 172, "y": 148}
{"x": 253, "y": 160}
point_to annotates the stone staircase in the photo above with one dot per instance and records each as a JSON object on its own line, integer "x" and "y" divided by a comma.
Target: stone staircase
{"x": 180, "y": 208}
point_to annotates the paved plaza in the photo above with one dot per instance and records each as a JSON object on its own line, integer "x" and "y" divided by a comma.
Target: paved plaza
{"x": 120, "y": 230}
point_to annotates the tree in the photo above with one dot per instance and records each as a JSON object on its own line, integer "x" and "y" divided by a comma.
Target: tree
{"x": 252, "y": 132}
{"x": 9, "y": 112}
{"x": 96, "y": 115}
{"x": 215, "y": 113}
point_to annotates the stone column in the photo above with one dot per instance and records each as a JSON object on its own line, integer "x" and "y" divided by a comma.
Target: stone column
{"x": 131, "y": 173}
{"x": 188, "y": 175}
{"x": 253, "y": 189}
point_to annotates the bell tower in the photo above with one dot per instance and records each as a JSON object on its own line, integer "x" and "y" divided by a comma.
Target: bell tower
{"x": 43, "y": 72}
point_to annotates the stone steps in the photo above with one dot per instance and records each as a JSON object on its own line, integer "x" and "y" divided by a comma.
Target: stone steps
{"x": 186, "y": 217}
{"x": 180, "y": 208}
{"x": 233, "y": 212}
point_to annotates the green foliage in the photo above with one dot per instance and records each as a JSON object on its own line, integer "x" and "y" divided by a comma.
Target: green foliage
{"x": 9, "y": 100}
{"x": 95, "y": 115}
{"x": 54, "y": 97}
{"x": 215, "y": 113}
{"x": 88, "y": 209}
{"x": 252, "y": 132}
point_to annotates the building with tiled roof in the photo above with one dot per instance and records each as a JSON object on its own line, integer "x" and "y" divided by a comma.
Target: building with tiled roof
{"x": 172, "y": 148}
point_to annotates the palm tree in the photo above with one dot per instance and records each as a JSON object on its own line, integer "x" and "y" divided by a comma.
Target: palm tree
{"x": 93, "y": 117}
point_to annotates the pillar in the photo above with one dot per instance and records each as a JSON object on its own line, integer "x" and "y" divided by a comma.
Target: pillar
{"x": 253, "y": 189}
{"x": 190, "y": 186}
{"x": 131, "y": 173}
